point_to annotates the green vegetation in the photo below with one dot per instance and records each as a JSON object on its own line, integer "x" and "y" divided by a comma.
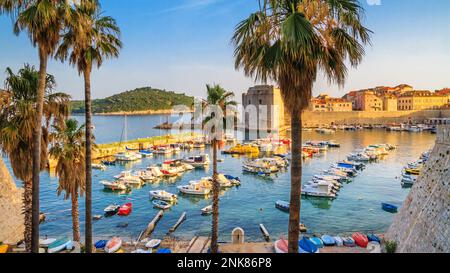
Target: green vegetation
{"x": 391, "y": 246}
{"x": 141, "y": 99}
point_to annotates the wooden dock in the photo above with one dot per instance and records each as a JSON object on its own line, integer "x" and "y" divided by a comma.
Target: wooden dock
{"x": 199, "y": 244}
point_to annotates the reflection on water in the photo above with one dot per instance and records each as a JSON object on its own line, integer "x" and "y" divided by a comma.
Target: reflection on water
{"x": 357, "y": 208}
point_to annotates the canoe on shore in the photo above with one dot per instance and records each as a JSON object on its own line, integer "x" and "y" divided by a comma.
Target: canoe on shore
{"x": 281, "y": 246}
{"x": 59, "y": 245}
{"x": 306, "y": 246}
{"x": 113, "y": 245}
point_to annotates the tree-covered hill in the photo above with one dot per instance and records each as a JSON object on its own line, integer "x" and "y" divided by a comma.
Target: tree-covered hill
{"x": 141, "y": 99}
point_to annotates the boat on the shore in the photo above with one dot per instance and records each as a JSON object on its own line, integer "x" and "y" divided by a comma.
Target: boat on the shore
{"x": 154, "y": 243}
{"x": 113, "y": 245}
{"x": 360, "y": 240}
{"x": 328, "y": 240}
{"x": 317, "y": 241}
{"x": 306, "y": 246}
{"x": 348, "y": 241}
{"x": 59, "y": 245}
{"x": 163, "y": 195}
{"x": 281, "y": 246}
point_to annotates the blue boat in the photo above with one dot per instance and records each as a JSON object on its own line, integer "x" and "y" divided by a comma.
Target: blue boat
{"x": 348, "y": 241}
{"x": 346, "y": 165}
{"x": 282, "y": 205}
{"x": 230, "y": 177}
{"x": 101, "y": 244}
{"x": 373, "y": 238}
{"x": 317, "y": 241}
{"x": 306, "y": 246}
{"x": 328, "y": 240}
{"x": 164, "y": 250}
{"x": 389, "y": 207}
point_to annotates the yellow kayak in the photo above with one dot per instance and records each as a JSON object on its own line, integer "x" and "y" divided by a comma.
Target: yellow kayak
{"x": 4, "y": 248}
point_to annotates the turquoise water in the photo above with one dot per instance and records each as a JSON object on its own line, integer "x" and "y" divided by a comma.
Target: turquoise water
{"x": 357, "y": 207}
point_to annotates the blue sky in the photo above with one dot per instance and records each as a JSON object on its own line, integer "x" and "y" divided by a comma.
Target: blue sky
{"x": 183, "y": 44}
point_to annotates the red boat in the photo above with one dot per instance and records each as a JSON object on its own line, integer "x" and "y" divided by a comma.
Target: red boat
{"x": 125, "y": 209}
{"x": 360, "y": 240}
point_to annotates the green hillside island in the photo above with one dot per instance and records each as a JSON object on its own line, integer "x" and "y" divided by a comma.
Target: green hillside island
{"x": 138, "y": 100}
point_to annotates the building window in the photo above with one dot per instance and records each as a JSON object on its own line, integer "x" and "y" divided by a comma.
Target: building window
{"x": 260, "y": 101}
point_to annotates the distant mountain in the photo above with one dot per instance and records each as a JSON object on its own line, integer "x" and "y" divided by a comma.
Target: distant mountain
{"x": 140, "y": 100}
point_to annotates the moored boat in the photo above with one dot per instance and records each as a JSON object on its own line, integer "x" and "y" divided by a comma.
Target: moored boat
{"x": 207, "y": 210}
{"x": 163, "y": 195}
{"x": 114, "y": 186}
{"x": 125, "y": 210}
{"x": 199, "y": 161}
{"x": 111, "y": 209}
{"x": 389, "y": 207}
{"x": 194, "y": 188}
{"x": 161, "y": 204}
{"x": 282, "y": 205}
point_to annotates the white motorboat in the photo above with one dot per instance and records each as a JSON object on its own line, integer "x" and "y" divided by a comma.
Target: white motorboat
{"x": 146, "y": 176}
{"x": 99, "y": 167}
{"x": 111, "y": 209}
{"x": 195, "y": 188}
{"x": 322, "y": 190}
{"x": 155, "y": 171}
{"x": 408, "y": 180}
{"x": 127, "y": 156}
{"x": 129, "y": 178}
{"x": 160, "y": 204}
{"x": 163, "y": 150}
{"x": 114, "y": 186}
{"x": 198, "y": 161}
{"x": 163, "y": 195}
{"x": 207, "y": 210}
{"x": 360, "y": 157}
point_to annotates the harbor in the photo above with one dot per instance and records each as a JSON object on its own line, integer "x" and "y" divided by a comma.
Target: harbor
{"x": 356, "y": 208}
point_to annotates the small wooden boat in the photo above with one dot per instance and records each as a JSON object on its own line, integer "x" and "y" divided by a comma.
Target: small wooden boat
{"x": 302, "y": 228}
{"x": 108, "y": 163}
{"x": 360, "y": 240}
{"x": 99, "y": 167}
{"x": 113, "y": 245}
{"x": 207, "y": 210}
{"x": 125, "y": 209}
{"x": 100, "y": 244}
{"x": 282, "y": 205}
{"x": 306, "y": 246}
{"x": 338, "y": 240}
{"x": 154, "y": 243}
{"x": 46, "y": 242}
{"x": 389, "y": 207}
{"x": 160, "y": 204}
{"x": 348, "y": 241}
{"x": 281, "y": 246}
{"x": 317, "y": 241}
{"x": 328, "y": 240}
{"x": 373, "y": 238}
{"x": 111, "y": 209}
{"x": 59, "y": 245}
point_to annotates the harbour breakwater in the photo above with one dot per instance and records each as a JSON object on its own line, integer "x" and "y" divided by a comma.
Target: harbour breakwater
{"x": 317, "y": 119}
{"x": 11, "y": 217}
{"x": 422, "y": 225}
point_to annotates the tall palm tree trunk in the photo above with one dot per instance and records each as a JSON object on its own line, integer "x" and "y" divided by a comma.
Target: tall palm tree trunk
{"x": 296, "y": 180}
{"x": 27, "y": 210}
{"x": 88, "y": 106}
{"x": 43, "y": 57}
{"x": 75, "y": 219}
{"x": 215, "y": 216}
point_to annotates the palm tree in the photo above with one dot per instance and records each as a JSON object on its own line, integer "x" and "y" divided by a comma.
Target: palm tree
{"x": 17, "y": 122}
{"x": 43, "y": 21}
{"x": 289, "y": 42}
{"x": 220, "y": 99}
{"x": 68, "y": 149}
{"x": 89, "y": 39}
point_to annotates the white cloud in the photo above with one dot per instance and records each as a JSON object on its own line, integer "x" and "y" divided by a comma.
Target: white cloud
{"x": 374, "y": 2}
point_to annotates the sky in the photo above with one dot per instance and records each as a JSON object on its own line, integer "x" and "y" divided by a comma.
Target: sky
{"x": 181, "y": 45}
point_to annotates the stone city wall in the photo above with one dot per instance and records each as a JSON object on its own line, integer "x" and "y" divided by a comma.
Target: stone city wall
{"x": 423, "y": 222}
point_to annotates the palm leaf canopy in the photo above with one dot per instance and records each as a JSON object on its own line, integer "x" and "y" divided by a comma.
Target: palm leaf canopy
{"x": 89, "y": 37}
{"x": 68, "y": 144}
{"x": 290, "y": 41}
{"x": 17, "y": 117}
{"x": 217, "y": 98}
{"x": 43, "y": 20}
